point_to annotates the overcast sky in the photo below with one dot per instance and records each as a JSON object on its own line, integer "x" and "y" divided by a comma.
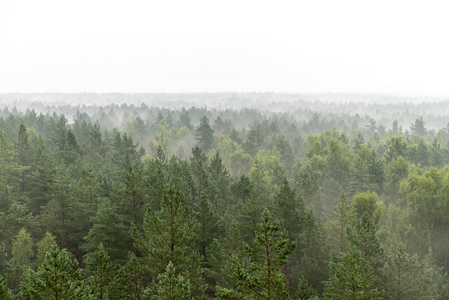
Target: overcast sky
{"x": 399, "y": 47}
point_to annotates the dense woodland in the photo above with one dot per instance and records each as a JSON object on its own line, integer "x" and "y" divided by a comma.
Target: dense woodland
{"x": 138, "y": 201}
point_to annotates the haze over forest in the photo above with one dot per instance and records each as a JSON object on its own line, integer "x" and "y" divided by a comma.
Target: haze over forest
{"x": 224, "y": 150}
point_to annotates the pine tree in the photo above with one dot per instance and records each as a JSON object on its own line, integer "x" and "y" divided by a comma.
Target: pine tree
{"x": 58, "y": 277}
{"x": 23, "y": 156}
{"x": 5, "y": 293}
{"x": 167, "y": 236}
{"x": 108, "y": 229}
{"x": 204, "y": 135}
{"x": 43, "y": 246}
{"x": 305, "y": 291}
{"x": 268, "y": 254}
{"x": 210, "y": 225}
{"x": 171, "y": 286}
{"x": 287, "y": 208}
{"x": 352, "y": 278}
{"x": 41, "y": 177}
{"x": 198, "y": 167}
{"x": 102, "y": 278}
{"x": 407, "y": 277}
{"x": 342, "y": 216}
{"x": 363, "y": 235}
{"x": 57, "y": 211}
{"x": 22, "y": 254}
{"x": 220, "y": 180}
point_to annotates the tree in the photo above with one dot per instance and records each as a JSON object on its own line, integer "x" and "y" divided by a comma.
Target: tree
{"x": 58, "y": 277}
{"x": 23, "y": 156}
{"x": 22, "y": 253}
{"x": 108, "y": 230}
{"x": 220, "y": 179}
{"x": 352, "y": 278}
{"x": 5, "y": 293}
{"x": 210, "y": 225}
{"x": 102, "y": 274}
{"x": 287, "y": 208}
{"x": 171, "y": 286}
{"x": 9, "y": 172}
{"x": 342, "y": 216}
{"x": 43, "y": 246}
{"x": 167, "y": 236}
{"x": 270, "y": 251}
{"x": 408, "y": 277}
{"x": 204, "y": 135}
{"x": 418, "y": 127}
{"x": 363, "y": 235}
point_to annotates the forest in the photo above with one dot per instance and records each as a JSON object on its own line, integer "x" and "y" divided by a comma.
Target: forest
{"x": 223, "y": 196}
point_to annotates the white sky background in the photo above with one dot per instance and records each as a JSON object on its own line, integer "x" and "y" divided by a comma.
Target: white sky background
{"x": 398, "y": 47}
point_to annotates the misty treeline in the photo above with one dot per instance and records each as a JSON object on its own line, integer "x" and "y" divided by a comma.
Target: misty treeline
{"x": 141, "y": 202}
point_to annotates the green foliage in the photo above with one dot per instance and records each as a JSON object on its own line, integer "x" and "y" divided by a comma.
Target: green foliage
{"x": 204, "y": 135}
{"x": 58, "y": 277}
{"x": 102, "y": 279}
{"x": 269, "y": 253}
{"x": 170, "y": 286}
{"x": 352, "y": 278}
{"x": 342, "y": 216}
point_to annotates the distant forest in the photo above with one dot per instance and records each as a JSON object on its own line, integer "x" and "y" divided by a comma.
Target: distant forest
{"x": 227, "y": 196}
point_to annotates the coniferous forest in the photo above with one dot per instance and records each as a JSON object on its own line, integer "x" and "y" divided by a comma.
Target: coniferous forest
{"x": 281, "y": 198}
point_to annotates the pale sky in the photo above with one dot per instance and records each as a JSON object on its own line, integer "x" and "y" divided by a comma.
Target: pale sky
{"x": 398, "y": 47}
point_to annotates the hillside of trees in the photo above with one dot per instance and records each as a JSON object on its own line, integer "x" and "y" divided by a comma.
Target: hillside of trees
{"x": 295, "y": 199}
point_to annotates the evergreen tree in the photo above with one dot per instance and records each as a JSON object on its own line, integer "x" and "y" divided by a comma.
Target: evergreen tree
{"x": 199, "y": 174}
{"x": 342, "y": 216}
{"x": 210, "y": 225}
{"x": 167, "y": 236}
{"x": 41, "y": 177}
{"x": 5, "y": 293}
{"x": 408, "y": 277}
{"x": 204, "y": 135}
{"x": 58, "y": 277}
{"x": 109, "y": 231}
{"x": 268, "y": 254}
{"x": 171, "y": 286}
{"x": 22, "y": 254}
{"x": 287, "y": 208}
{"x": 23, "y": 156}
{"x": 220, "y": 180}
{"x": 305, "y": 291}
{"x": 102, "y": 274}
{"x": 352, "y": 278}
{"x": 418, "y": 127}
{"x": 43, "y": 246}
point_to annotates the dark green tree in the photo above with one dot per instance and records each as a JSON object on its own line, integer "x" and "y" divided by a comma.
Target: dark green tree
{"x": 204, "y": 135}
{"x": 263, "y": 279}
{"x": 352, "y": 278}
{"x": 102, "y": 274}
{"x": 171, "y": 286}
{"x": 58, "y": 277}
